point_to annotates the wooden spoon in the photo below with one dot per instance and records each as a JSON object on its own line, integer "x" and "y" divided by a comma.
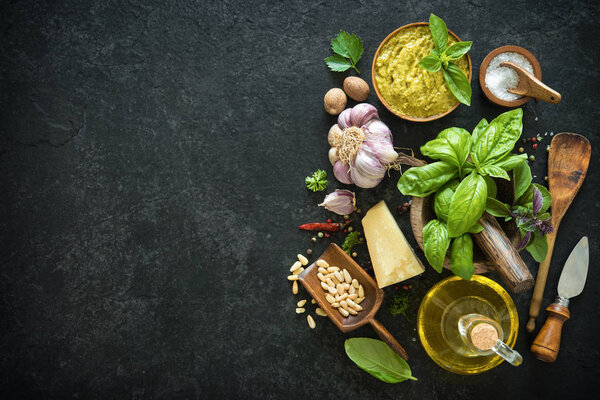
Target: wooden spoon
{"x": 373, "y": 296}
{"x": 530, "y": 86}
{"x": 568, "y": 162}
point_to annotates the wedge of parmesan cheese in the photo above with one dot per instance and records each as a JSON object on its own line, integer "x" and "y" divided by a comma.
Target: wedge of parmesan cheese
{"x": 392, "y": 257}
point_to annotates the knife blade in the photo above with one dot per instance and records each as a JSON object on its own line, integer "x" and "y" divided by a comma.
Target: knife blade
{"x": 574, "y": 273}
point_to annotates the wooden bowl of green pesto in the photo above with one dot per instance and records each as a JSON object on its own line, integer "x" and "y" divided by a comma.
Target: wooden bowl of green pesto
{"x": 404, "y": 87}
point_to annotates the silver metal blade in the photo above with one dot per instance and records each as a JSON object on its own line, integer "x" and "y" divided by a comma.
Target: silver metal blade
{"x": 572, "y": 279}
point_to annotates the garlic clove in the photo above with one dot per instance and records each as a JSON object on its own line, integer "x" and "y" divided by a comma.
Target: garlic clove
{"x": 362, "y": 113}
{"x": 375, "y": 129}
{"x": 383, "y": 151}
{"x": 334, "y": 133}
{"x": 341, "y": 172}
{"x": 344, "y": 119}
{"x": 341, "y": 201}
{"x": 367, "y": 171}
{"x": 333, "y": 157}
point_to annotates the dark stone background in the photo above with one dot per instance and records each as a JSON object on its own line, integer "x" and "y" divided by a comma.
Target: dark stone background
{"x": 152, "y": 157}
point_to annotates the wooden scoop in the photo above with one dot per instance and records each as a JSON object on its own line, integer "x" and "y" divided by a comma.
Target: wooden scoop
{"x": 568, "y": 162}
{"x": 530, "y": 86}
{"x": 373, "y": 296}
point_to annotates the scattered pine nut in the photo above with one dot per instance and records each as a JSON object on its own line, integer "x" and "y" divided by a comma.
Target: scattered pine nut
{"x": 292, "y": 277}
{"x": 298, "y": 271}
{"x": 313, "y": 301}
{"x": 301, "y": 303}
{"x": 295, "y": 266}
{"x": 322, "y": 263}
{"x": 300, "y": 310}
{"x": 311, "y": 322}
{"x": 295, "y": 287}
{"x": 320, "y": 312}
{"x": 303, "y": 260}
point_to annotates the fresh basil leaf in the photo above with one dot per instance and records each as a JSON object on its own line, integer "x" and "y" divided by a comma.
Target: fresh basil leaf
{"x": 494, "y": 171}
{"x": 337, "y": 63}
{"x": 479, "y": 129}
{"x": 476, "y": 228}
{"x": 521, "y": 179}
{"x": 443, "y": 197}
{"x": 460, "y": 141}
{"x": 498, "y": 138}
{"x": 468, "y": 167}
{"x": 347, "y": 45}
{"x": 509, "y": 162}
{"x": 378, "y": 359}
{"x": 431, "y": 63}
{"x": 523, "y": 210}
{"x": 492, "y": 189}
{"x": 425, "y": 180}
{"x": 439, "y": 31}
{"x": 497, "y": 208}
{"x": 435, "y": 243}
{"x": 458, "y": 84}
{"x": 468, "y": 204}
{"x": 457, "y": 50}
{"x": 538, "y": 247}
{"x": 461, "y": 256}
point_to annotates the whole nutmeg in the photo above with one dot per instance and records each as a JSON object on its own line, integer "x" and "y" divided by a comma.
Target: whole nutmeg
{"x": 335, "y": 101}
{"x": 356, "y": 88}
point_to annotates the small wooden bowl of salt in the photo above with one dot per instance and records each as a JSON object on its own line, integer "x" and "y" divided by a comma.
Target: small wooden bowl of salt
{"x": 510, "y": 76}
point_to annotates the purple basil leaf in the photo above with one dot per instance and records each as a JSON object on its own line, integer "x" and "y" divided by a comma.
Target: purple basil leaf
{"x": 546, "y": 226}
{"x": 524, "y": 241}
{"x": 537, "y": 200}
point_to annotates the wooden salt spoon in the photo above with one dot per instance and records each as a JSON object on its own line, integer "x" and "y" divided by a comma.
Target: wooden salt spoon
{"x": 336, "y": 257}
{"x": 568, "y": 162}
{"x": 530, "y": 86}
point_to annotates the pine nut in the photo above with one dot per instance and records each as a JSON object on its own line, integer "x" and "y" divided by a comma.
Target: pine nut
{"x": 323, "y": 270}
{"x": 295, "y": 287}
{"x": 342, "y": 297}
{"x": 340, "y": 288}
{"x": 311, "y": 322}
{"x": 313, "y": 301}
{"x": 359, "y": 300}
{"x": 335, "y": 305}
{"x": 292, "y": 277}
{"x": 325, "y": 286}
{"x": 295, "y": 266}
{"x": 353, "y": 296}
{"x": 352, "y": 290}
{"x": 322, "y": 263}
{"x": 339, "y": 276}
{"x": 331, "y": 290}
{"x": 335, "y": 280}
{"x": 346, "y": 286}
{"x": 361, "y": 291}
{"x": 343, "y": 312}
{"x": 332, "y": 269}
{"x": 300, "y": 310}
{"x": 355, "y": 283}
{"x": 330, "y": 298}
{"x": 347, "y": 276}
{"x": 321, "y": 277}
{"x": 320, "y": 312}
{"x": 354, "y": 305}
{"x": 298, "y": 271}
{"x": 351, "y": 311}
{"x": 329, "y": 282}
{"x": 303, "y": 260}
{"x": 344, "y": 304}
{"x": 301, "y": 303}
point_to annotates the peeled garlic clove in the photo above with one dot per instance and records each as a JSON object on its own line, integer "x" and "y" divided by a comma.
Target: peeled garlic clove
{"x": 333, "y": 157}
{"x": 344, "y": 119}
{"x": 341, "y": 201}
{"x": 334, "y": 133}
{"x": 341, "y": 172}
{"x": 362, "y": 113}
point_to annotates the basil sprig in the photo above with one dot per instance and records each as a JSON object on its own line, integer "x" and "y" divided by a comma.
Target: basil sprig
{"x": 464, "y": 190}
{"x": 441, "y": 57}
{"x": 378, "y": 359}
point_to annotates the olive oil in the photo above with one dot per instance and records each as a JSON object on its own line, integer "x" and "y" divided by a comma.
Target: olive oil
{"x": 443, "y": 307}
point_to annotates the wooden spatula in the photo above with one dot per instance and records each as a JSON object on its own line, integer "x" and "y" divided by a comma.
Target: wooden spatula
{"x": 568, "y": 162}
{"x": 373, "y": 296}
{"x": 531, "y": 86}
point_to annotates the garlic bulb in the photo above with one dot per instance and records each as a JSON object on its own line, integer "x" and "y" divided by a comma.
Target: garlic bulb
{"x": 363, "y": 145}
{"x": 341, "y": 201}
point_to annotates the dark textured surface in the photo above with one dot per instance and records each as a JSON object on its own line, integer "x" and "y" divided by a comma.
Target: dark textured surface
{"x": 152, "y": 158}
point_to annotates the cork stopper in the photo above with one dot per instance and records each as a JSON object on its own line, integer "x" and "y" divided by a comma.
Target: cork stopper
{"x": 484, "y": 336}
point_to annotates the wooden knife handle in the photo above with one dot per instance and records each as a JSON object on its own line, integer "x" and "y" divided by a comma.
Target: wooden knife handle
{"x": 387, "y": 337}
{"x": 540, "y": 282}
{"x": 547, "y": 343}
{"x": 500, "y": 251}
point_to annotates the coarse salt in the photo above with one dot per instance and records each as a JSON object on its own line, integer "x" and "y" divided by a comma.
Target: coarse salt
{"x": 499, "y": 79}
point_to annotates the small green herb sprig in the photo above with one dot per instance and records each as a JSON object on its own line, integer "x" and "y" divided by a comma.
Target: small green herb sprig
{"x": 351, "y": 240}
{"x": 442, "y": 56}
{"x": 348, "y": 49}
{"x": 317, "y": 182}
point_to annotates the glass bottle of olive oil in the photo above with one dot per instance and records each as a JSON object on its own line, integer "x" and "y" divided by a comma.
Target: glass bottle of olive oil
{"x": 482, "y": 309}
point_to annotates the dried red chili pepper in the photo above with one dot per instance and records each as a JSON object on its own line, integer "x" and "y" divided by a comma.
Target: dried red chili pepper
{"x": 323, "y": 226}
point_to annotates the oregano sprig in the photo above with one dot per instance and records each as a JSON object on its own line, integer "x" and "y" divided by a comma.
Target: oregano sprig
{"x": 441, "y": 57}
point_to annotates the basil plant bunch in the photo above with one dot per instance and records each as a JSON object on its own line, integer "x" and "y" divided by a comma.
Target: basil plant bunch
{"x": 464, "y": 187}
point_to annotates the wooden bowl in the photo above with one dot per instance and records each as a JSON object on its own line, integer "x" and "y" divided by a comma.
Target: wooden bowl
{"x": 385, "y": 103}
{"x": 537, "y": 72}
{"x": 422, "y": 211}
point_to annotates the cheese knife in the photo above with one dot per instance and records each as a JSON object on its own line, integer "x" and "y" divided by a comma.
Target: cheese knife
{"x": 572, "y": 280}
